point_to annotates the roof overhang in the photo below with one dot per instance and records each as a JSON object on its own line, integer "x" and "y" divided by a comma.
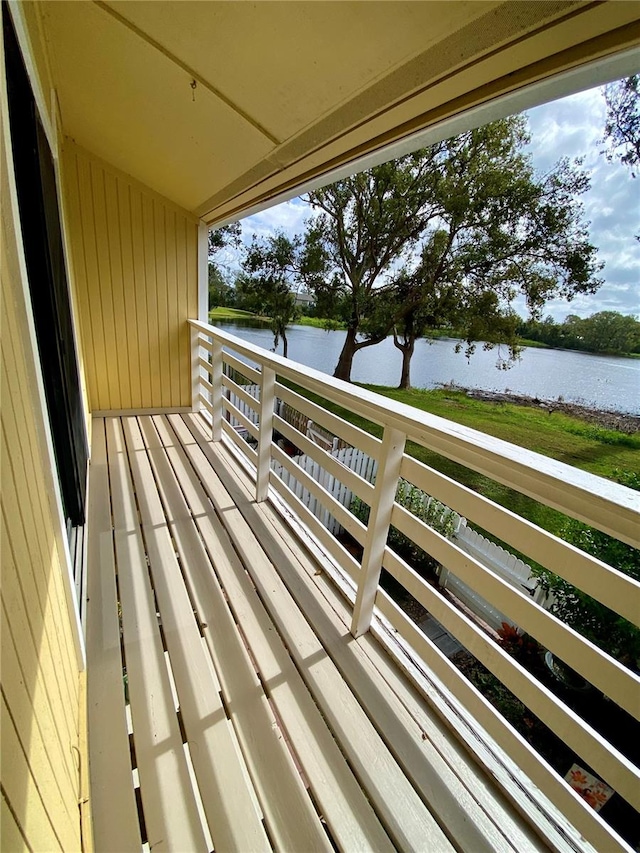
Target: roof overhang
{"x": 226, "y": 107}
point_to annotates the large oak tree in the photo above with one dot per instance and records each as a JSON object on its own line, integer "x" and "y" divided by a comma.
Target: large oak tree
{"x": 451, "y": 234}
{"x": 364, "y": 225}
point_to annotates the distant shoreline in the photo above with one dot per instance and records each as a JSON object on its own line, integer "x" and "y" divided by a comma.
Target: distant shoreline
{"x": 621, "y": 421}
{"x": 231, "y": 314}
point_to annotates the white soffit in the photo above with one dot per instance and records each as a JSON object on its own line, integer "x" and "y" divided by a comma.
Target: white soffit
{"x": 580, "y": 79}
{"x": 222, "y": 107}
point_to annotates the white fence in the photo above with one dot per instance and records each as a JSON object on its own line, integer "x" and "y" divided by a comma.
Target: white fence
{"x": 316, "y": 433}
{"x": 248, "y": 411}
{"x": 502, "y": 562}
{"x": 352, "y": 458}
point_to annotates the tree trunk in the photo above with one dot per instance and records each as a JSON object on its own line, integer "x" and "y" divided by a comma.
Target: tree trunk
{"x": 349, "y": 349}
{"x": 406, "y": 349}
{"x": 285, "y": 343}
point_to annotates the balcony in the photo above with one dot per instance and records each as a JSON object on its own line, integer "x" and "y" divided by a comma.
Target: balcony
{"x": 275, "y": 696}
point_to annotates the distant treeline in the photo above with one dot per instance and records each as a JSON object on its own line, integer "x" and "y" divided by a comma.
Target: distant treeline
{"x": 606, "y": 332}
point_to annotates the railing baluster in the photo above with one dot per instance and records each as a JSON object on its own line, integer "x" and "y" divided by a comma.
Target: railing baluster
{"x": 196, "y": 404}
{"x": 216, "y": 394}
{"x": 378, "y": 528}
{"x": 267, "y": 387}
{"x": 602, "y": 504}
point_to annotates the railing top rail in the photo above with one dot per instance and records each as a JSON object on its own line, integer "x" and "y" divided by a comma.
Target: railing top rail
{"x": 608, "y": 506}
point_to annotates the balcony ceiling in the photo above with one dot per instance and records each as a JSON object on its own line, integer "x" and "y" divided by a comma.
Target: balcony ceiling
{"x": 285, "y": 91}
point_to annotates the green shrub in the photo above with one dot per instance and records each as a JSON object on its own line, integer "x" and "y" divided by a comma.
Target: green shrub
{"x": 611, "y": 632}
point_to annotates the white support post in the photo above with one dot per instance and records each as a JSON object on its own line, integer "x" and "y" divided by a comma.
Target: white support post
{"x": 196, "y": 404}
{"x": 203, "y": 271}
{"x": 267, "y": 388}
{"x": 216, "y": 394}
{"x": 391, "y": 454}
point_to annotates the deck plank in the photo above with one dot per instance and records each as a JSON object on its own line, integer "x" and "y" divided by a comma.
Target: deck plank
{"x": 455, "y": 803}
{"x": 233, "y": 820}
{"x": 170, "y": 810}
{"x": 344, "y": 806}
{"x": 405, "y": 816}
{"x": 292, "y": 821}
{"x": 109, "y": 754}
{"x": 300, "y": 736}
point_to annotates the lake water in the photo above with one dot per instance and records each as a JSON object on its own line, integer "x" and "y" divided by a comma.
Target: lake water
{"x": 602, "y": 382}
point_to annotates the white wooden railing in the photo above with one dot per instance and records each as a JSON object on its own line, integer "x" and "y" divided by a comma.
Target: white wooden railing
{"x": 600, "y": 503}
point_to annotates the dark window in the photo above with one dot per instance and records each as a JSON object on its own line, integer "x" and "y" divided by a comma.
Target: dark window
{"x": 44, "y": 255}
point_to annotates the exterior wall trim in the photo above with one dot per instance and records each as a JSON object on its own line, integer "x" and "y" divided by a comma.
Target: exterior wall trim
{"x": 116, "y": 413}
{"x": 45, "y": 109}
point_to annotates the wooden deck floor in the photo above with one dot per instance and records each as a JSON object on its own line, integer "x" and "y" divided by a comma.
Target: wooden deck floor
{"x": 252, "y": 720}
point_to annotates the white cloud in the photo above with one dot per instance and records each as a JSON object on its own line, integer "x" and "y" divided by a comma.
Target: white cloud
{"x": 573, "y": 127}
{"x": 288, "y": 217}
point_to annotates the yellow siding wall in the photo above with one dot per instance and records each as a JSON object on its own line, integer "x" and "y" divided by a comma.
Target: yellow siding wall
{"x": 40, "y": 690}
{"x": 134, "y": 259}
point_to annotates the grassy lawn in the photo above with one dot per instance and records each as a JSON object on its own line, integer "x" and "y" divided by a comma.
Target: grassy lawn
{"x": 238, "y": 314}
{"x": 232, "y": 314}
{"x": 319, "y": 323}
{"x": 559, "y": 436}
{"x": 525, "y": 342}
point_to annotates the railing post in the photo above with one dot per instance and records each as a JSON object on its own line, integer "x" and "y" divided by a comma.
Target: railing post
{"x": 216, "y": 394}
{"x": 391, "y": 453}
{"x": 265, "y": 436}
{"x": 196, "y": 405}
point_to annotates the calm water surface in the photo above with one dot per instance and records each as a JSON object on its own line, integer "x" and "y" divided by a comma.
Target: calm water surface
{"x": 603, "y": 382}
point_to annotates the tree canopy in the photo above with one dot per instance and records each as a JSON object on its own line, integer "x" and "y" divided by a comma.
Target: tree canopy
{"x": 221, "y": 290}
{"x": 452, "y": 233}
{"x": 605, "y": 331}
{"x": 270, "y": 267}
{"x": 622, "y": 124}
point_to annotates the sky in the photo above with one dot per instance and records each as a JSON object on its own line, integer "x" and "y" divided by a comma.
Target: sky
{"x": 570, "y": 127}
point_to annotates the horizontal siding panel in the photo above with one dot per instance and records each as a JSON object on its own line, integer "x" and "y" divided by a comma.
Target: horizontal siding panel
{"x": 135, "y": 259}
{"x": 607, "y": 762}
{"x": 610, "y": 587}
{"x": 604, "y": 672}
